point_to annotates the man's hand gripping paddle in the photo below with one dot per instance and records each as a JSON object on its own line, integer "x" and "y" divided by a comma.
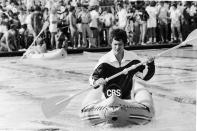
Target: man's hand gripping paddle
{"x": 53, "y": 106}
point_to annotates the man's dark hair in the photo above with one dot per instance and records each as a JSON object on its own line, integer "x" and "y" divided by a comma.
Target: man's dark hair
{"x": 119, "y": 34}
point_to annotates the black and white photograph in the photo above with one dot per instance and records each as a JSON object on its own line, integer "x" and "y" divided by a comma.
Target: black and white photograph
{"x": 98, "y": 65}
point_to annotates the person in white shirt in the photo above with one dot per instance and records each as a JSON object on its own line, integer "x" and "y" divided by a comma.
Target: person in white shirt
{"x": 152, "y": 21}
{"x": 22, "y": 16}
{"x": 84, "y": 15}
{"x": 109, "y": 22}
{"x": 94, "y": 25}
{"x": 175, "y": 16}
{"x": 53, "y": 20}
{"x": 122, "y": 17}
{"x": 163, "y": 22}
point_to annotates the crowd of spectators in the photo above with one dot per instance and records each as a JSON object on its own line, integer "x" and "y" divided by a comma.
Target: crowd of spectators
{"x": 85, "y": 26}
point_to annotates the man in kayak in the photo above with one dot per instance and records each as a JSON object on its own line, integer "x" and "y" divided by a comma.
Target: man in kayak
{"x": 39, "y": 48}
{"x": 122, "y": 86}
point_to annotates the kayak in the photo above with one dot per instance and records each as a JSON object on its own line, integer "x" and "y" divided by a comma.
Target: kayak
{"x": 54, "y": 54}
{"x": 117, "y": 112}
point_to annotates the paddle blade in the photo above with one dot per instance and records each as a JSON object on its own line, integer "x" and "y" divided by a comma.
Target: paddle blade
{"x": 52, "y": 107}
{"x": 191, "y": 38}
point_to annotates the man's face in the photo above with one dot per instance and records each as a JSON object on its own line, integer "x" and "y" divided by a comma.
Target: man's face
{"x": 117, "y": 46}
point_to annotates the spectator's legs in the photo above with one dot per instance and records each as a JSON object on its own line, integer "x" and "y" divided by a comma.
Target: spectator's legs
{"x": 98, "y": 39}
{"x": 79, "y": 39}
{"x": 90, "y": 35}
{"x": 109, "y": 36}
{"x": 173, "y": 33}
{"x": 53, "y": 40}
{"x": 108, "y": 30}
{"x": 84, "y": 35}
{"x": 154, "y": 34}
{"x": 166, "y": 33}
{"x": 150, "y": 30}
{"x": 75, "y": 39}
{"x": 95, "y": 37}
{"x": 179, "y": 33}
{"x": 162, "y": 31}
{"x": 143, "y": 29}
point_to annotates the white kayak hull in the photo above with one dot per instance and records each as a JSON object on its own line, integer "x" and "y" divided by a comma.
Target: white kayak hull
{"x": 116, "y": 112}
{"x": 55, "y": 54}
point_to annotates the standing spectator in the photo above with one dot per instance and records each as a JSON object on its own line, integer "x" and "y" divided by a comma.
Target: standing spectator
{"x": 79, "y": 25}
{"x": 152, "y": 21}
{"x": 65, "y": 22}
{"x": 37, "y": 21}
{"x": 109, "y": 22}
{"x": 85, "y": 20}
{"x": 193, "y": 15}
{"x": 60, "y": 38}
{"x": 130, "y": 25}
{"x": 186, "y": 20}
{"x": 143, "y": 24}
{"x": 22, "y": 16}
{"x": 94, "y": 26}
{"x": 53, "y": 20}
{"x": 163, "y": 22}
{"x": 137, "y": 25}
{"x": 73, "y": 26}
{"x": 175, "y": 22}
{"x": 30, "y": 31}
{"x": 122, "y": 16}
{"x": 47, "y": 34}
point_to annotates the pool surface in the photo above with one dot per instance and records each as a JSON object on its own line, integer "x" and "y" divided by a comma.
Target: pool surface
{"x": 25, "y": 85}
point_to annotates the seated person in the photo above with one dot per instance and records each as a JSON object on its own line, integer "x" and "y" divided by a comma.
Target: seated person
{"x": 39, "y": 48}
{"x": 8, "y": 40}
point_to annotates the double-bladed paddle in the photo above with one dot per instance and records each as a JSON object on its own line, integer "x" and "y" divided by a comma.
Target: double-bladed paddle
{"x": 54, "y": 105}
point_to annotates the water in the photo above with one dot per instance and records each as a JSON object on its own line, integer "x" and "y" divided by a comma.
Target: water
{"x": 25, "y": 85}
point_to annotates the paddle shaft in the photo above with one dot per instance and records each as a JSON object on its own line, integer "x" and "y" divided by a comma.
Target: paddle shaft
{"x": 49, "y": 110}
{"x": 128, "y": 69}
{"x": 173, "y": 48}
{"x": 66, "y": 99}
